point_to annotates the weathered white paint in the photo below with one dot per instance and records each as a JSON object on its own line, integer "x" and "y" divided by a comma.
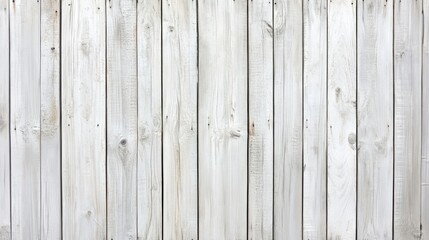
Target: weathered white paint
{"x": 149, "y": 170}
{"x": 5, "y": 230}
{"x": 315, "y": 100}
{"x": 222, "y": 116}
{"x": 425, "y": 126}
{"x": 341, "y": 119}
{"x": 407, "y": 154}
{"x": 25, "y": 118}
{"x": 288, "y": 58}
{"x": 180, "y": 79}
{"x": 375, "y": 119}
{"x": 83, "y": 85}
{"x": 121, "y": 119}
{"x": 261, "y": 148}
{"x": 50, "y": 121}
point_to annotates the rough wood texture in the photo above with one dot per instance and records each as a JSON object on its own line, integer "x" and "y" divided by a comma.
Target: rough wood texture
{"x": 149, "y": 170}
{"x": 5, "y": 230}
{"x": 180, "y": 79}
{"x": 315, "y": 100}
{"x": 425, "y": 126}
{"x": 407, "y": 75}
{"x": 122, "y": 119}
{"x": 83, "y": 119}
{"x": 260, "y": 20}
{"x": 25, "y": 118}
{"x": 375, "y": 119}
{"x": 288, "y": 58}
{"x": 50, "y": 121}
{"x": 222, "y": 112}
{"x": 341, "y": 119}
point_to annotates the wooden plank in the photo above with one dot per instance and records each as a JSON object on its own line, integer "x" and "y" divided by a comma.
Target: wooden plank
{"x": 50, "y": 120}
{"x": 83, "y": 119}
{"x": 288, "y": 58}
{"x": 180, "y": 79}
{"x": 261, "y": 148}
{"x": 407, "y": 153}
{"x": 222, "y": 119}
{"x": 425, "y": 126}
{"x": 122, "y": 119}
{"x": 375, "y": 119}
{"x": 25, "y": 118}
{"x": 315, "y": 107}
{"x": 341, "y": 120}
{"x": 149, "y": 170}
{"x": 5, "y": 229}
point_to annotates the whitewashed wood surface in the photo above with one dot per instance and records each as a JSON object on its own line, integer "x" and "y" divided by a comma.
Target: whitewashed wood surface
{"x": 223, "y": 120}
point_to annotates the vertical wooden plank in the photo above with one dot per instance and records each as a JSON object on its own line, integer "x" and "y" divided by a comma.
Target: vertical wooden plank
{"x": 288, "y": 56}
{"x": 408, "y": 77}
{"x": 83, "y": 119}
{"x": 375, "y": 119}
{"x": 50, "y": 120}
{"x": 260, "y": 20}
{"x": 122, "y": 119}
{"x": 222, "y": 114}
{"x": 149, "y": 170}
{"x": 180, "y": 79}
{"x": 5, "y": 230}
{"x": 341, "y": 119}
{"x": 25, "y": 118}
{"x": 425, "y": 126}
{"x": 315, "y": 99}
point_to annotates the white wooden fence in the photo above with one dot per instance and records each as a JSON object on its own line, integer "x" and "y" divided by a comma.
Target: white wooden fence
{"x": 214, "y": 119}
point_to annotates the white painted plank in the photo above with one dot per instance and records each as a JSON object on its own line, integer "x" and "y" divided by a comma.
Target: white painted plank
{"x": 341, "y": 119}
{"x": 375, "y": 119}
{"x": 288, "y": 58}
{"x": 83, "y": 119}
{"x": 149, "y": 171}
{"x": 25, "y": 118}
{"x": 261, "y": 148}
{"x": 407, "y": 153}
{"x": 180, "y": 79}
{"x": 122, "y": 119}
{"x": 5, "y": 230}
{"x": 222, "y": 126}
{"x": 315, "y": 100}
{"x": 50, "y": 121}
{"x": 425, "y": 126}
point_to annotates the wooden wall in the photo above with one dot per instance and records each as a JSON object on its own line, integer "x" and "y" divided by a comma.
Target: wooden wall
{"x": 214, "y": 119}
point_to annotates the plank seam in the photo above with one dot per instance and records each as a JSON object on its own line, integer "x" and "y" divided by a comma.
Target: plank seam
{"x": 106, "y": 122}
{"x": 274, "y": 122}
{"x": 10, "y": 132}
{"x": 61, "y": 120}
{"x": 327, "y": 119}
{"x": 394, "y": 121}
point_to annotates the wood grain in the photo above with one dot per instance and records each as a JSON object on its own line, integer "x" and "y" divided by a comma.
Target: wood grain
{"x": 83, "y": 109}
{"x": 425, "y": 127}
{"x": 407, "y": 153}
{"x": 222, "y": 116}
{"x": 341, "y": 119}
{"x": 375, "y": 119}
{"x": 261, "y": 148}
{"x": 5, "y": 228}
{"x": 315, "y": 117}
{"x": 288, "y": 58}
{"x": 180, "y": 79}
{"x": 122, "y": 119}
{"x": 50, "y": 120}
{"x": 149, "y": 170}
{"x": 25, "y": 118}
